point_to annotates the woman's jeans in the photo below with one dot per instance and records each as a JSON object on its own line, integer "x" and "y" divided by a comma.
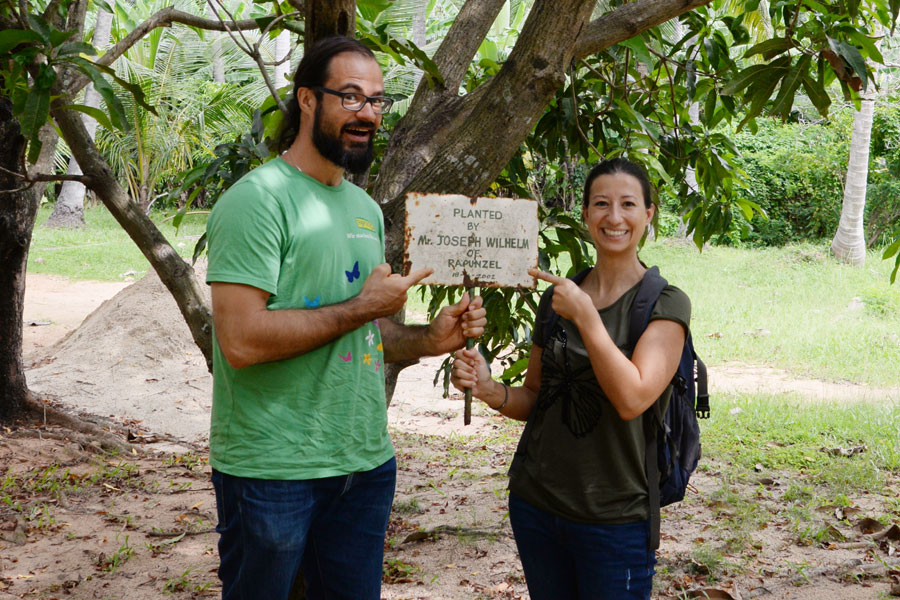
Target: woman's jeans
{"x": 331, "y": 527}
{"x": 577, "y": 561}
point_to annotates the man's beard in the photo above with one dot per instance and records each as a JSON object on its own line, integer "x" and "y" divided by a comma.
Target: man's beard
{"x": 355, "y": 160}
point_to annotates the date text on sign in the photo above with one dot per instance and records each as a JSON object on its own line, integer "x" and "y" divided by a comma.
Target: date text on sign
{"x": 474, "y": 242}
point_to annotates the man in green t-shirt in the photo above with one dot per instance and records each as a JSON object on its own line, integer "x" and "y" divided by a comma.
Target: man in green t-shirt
{"x": 303, "y": 467}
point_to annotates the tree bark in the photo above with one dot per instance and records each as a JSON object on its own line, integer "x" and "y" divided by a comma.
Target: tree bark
{"x": 442, "y": 142}
{"x": 849, "y": 244}
{"x": 18, "y": 210}
{"x": 504, "y": 113}
{"x": 335, "y": 17}
{"x": 69, "y": 209}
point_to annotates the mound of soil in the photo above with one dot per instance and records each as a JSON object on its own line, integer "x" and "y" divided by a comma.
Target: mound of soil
{"x": 132, "y": 359}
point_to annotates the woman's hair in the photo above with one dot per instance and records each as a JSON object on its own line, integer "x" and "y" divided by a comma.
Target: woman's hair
{"x": 313, "y": 72}
{"x": 619, "y": 165}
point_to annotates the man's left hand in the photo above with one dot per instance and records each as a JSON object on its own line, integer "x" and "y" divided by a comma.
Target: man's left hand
{"x": 455, "y": 323}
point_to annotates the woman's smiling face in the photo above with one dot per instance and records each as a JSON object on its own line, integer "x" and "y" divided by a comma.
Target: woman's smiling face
{"x": 616, "y": 214}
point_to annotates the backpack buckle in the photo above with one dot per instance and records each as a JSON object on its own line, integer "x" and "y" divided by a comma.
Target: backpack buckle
{"x": 702, "y": 409}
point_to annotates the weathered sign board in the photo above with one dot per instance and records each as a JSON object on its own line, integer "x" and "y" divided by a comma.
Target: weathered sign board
{"x": 474, "y": 242}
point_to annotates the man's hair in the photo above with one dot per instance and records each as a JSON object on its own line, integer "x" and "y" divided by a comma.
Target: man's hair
{"x": 619, "y": 165}
{"x": 312, "y": 72}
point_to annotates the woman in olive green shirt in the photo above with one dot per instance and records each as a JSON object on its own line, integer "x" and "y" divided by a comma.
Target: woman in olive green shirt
{"x": 579, "y": 503}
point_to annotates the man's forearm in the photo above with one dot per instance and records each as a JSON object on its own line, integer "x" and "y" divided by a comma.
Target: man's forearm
{"x": 404, "y": 342}
{"x": 272, "y": 335}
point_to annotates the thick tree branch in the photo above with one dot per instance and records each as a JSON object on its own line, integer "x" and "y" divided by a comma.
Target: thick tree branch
{"x": 453, "y": 57}
{"x": 433, "y": 111}
{"x": 629, "y": 20}
{"x": 505, "y": 112}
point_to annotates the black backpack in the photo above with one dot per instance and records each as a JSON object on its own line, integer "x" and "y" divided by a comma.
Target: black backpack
{"x": 673, "y": 439}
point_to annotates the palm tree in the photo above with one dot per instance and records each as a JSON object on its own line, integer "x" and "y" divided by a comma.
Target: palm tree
{"x": 193, "y": 112}
{"x": 69, "y": 208}
{"x": 849, "y": 244}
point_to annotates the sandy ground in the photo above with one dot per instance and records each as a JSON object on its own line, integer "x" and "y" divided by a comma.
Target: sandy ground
{"x": 132, "y": 361}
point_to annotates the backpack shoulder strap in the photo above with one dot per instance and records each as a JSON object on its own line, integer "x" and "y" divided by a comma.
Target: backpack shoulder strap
{"x": 652, "y": 286}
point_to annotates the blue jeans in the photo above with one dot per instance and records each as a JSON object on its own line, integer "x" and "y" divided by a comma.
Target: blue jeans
{"x": 333, "y": 528}
{"x": 579, "y": 561}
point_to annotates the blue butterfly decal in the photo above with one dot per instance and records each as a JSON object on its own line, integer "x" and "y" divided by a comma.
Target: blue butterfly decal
{"x": 312, "y": 303}
{"x": 354, "y": 274}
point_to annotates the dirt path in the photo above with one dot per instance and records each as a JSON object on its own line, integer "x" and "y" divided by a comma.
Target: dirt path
{"x": 141, "y": 527}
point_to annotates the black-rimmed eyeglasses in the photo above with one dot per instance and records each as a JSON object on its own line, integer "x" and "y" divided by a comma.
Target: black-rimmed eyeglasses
{"x": 354, "y": 101}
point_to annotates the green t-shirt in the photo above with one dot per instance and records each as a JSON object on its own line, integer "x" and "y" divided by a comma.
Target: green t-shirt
{"x": 309, "y": 245}
{"x": 577, "y": 458}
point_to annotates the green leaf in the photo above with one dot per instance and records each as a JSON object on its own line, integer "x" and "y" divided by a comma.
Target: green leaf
{"x": 893, "y": 249}
{"x": 855, "y": 60}
{"x": 105, "y": 6}
{"x": 41, "y": 27}
{"x": 10, "y": 38}
{"x": 76, "y": 48}
{"x": 136, "y": 91}
{"x": 748, "y": 207}
{"x": 515, "y": 369}
{"x": 709, "y": 107}
{"x": 36, "y": 112}
{"x": 895, "y": 11}
{"x": 817, "y": 94}
{"x": 199, "y": 248}
{"x": 743, "y": 79}
{"x": 380, "y": 40}
{"x": 764, "y": 86}
{"x": 816, "y": 6}
{"x": 789, "y": 85}
{"x": 117, "y": 115}
{"x": 770, "y": 48}
{"x": 639, "y": 47}
{"x": 49, "y": 34}
{"x": 263, "y": 22}
{"x": 866, "y": 43}
{"x": 93, "y": 112}
{"x": 712, "y": 51}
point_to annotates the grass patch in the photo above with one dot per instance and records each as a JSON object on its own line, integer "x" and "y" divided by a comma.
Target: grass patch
{"x": 790, "y": 307}
{"x": 790, "y": 435}
{"x": 102, "y": 251}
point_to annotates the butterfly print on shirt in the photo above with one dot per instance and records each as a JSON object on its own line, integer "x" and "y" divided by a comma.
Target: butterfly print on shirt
{"x": 353, "y": 274}
{"x": 575, "y": 389}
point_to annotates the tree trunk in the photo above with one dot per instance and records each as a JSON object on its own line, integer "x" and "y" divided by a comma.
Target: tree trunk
{"x": 282, "y": 51}
{"x": 461, "y": 162}
{"x": 218, "y": 65}
{"x": 69, "y": 209}
{"x": 329, "y": 17}
{"x": 849, "y": 244}
{"x": 18, "y": 210}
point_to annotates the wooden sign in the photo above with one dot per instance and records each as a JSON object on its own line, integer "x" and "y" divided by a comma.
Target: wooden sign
{"x": 474, "y": 242}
